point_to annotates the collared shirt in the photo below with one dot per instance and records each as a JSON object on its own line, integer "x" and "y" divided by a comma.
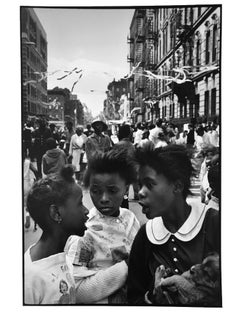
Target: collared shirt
{"x": 155, "y": 245}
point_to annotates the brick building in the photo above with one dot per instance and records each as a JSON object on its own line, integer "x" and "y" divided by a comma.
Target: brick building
{"x": 64, "y": 106}
{"x": 168, "y": 38}
{"x": 115, "y": 90}
{"x": 33, "y": 64}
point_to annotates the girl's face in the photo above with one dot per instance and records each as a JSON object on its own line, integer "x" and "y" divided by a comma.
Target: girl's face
{"x": 156, "y": 194}
{"x": 74, "y": 213}
{"x": 107, "y": 191}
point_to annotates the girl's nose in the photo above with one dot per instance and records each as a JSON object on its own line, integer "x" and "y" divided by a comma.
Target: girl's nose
{"x": 141, "y": 193}
{"x": 104, "y": 198}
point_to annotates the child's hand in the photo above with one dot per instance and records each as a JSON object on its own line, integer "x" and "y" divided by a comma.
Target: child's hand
{"x": 119, "y": 254}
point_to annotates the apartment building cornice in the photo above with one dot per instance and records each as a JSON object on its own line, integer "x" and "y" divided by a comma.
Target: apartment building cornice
{"x": 202, "y": 18}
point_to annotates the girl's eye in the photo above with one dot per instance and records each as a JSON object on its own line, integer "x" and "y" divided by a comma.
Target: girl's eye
{"x": 94, "y": 191}
{"x": 113, "y": 190}
{"x": 149, "y": 185}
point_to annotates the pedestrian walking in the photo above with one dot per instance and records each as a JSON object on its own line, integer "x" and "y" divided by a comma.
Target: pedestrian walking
{"x": 179, "y": 233}
{"x": 125, "y": 142}
{"x": 100, "y": 257}
{"x": 76, "y": 149}
{"x": 40, "y": 135}
{"x": 55, "y": 203}
{"x": 138, "y": 134}
{"x": 68, "y": 135}
{"x": 97, "y": 141}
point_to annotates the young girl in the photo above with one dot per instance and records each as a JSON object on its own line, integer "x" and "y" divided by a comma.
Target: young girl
{"x": 179, "y": 234}
{"x": 110, "y": 230}
{"x": 55, "y": 203}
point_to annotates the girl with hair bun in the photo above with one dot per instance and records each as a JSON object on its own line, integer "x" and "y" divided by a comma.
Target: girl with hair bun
{"x": 55, "y": 204}
{"x": 179, "y": 233}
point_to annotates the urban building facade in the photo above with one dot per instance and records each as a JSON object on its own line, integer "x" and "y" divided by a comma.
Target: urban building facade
{"x": 175, "y": 42}
{"x": 33, "y": 65}
{"x": 64, "y": 107}
{"x": 113, "y": 103}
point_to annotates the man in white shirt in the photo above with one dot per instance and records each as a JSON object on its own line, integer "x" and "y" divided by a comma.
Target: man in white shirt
{"x": 138, "y": 134}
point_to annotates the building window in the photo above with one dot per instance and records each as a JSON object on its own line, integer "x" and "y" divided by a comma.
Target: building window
{"x": 199, "y": 12}
{"x": 185, "y": 108}
{"x": 191, "y": 115}
{"x": 207, "y": 53}
{"x": 198, "y": 52}
{"x": 206, "y": 103}
{"x": 214, "y": 48}
{"x": 191, "y": 16}
{"x": 181, "y": 110}
{"x": 197, "y": 105}
{"x": 173, "y": 107}
{"x": 213, "y": 101}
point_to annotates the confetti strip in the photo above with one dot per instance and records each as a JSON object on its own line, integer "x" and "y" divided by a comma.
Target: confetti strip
{"x": 132, "y": 72}
{"x": 76, "y": 82}
{"x": 30, "y": 81}
{"x": 69, "y": 73}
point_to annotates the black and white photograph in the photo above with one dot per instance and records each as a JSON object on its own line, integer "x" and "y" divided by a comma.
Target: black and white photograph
{"x": 121, "y": 155}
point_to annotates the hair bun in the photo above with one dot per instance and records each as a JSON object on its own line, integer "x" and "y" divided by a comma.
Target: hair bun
{"x": 67, "y": 173}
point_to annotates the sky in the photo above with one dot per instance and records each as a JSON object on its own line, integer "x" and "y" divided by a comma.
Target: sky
{"x": 94, "y": 40}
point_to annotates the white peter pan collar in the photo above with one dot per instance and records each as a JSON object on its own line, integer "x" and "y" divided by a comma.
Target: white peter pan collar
{"x": 157, "y": 233}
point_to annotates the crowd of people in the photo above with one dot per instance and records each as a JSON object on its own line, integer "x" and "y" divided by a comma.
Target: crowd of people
{"x": 103, "y": 255}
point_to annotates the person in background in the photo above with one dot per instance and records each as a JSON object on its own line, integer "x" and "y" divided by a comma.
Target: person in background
{"x": 27, "y": 139}
{"x": 179, "y": 233}
{"x": 154, "y": 132}
{"x": 97, "y": 141}
{"x": 182, "y": 140}
{"x": 125, "y": 136}
{"x": 30, "y": 175}
{"x": 76, "y": 149}
{"x": 145, "y": 138}
{"x": 40, "y": 135}
{"x": 89, "y": 130}
{"x": 138, "y": 134}
{"x": 191, "y": 135}
{"x": 114, "y": 138}
{"x": 68, "y": 134}
{"x": 161, "y": 140}
{"x": 111, "y": 230}
{"x": 214, "y": 136}
{"x": 55, "y": 203}
{"x": 199, "y": 143}
{"x": 54, "y": 133}
{"x": 54, "y": 159}
{"x": 214, "y": 179}
{"x": 208, "y": 153}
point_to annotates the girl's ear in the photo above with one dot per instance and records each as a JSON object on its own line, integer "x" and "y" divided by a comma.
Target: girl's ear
{"x": 178, "y": 186}
{"x": 54, "y": 213}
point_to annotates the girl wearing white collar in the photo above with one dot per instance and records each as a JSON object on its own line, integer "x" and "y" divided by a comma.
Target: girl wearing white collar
{"x": 178, "y": 234}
